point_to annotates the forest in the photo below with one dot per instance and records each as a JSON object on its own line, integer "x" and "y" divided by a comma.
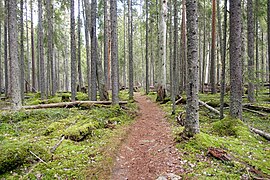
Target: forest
{"x": 135, "y": 89}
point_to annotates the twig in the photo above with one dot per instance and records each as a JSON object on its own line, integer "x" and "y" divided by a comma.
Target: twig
{"x": 57, "y": 145}
{"x": 37, "y": 157}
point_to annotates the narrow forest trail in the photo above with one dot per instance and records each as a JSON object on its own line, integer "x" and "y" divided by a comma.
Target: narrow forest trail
{"x": 148, "y": 151}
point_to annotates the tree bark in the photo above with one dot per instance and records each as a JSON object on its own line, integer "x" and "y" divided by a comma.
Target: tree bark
{"x": 49, "y": 8}
{"x": 73, "y": 52}
{"x": 14, "y": 60}
{"x": 86, "y": 25}
{"x": 130, "y": 47}
{"x": 21, "y": 50}
{"x": 146, "y": 51}
{"x": 41, "y": 50}
{"x": 114, "y": 53}
{"x": 204, "y": 48}
{"x": 223, "y": 63}
{"x": 251, "y": 79}
{"x": 6, "y": 50}
{"x": 213, "y": 50}
{"x": 79, "y": 48}
{"x": 184, "y": 48}
{"x": 235, "y": 59}
{"x": 33, "y": 50}
{"x": 192, "y": 108}
{"x": 106, "y": 43}
{"x": 28, "y": 63}
{"x": 268, "y": 30}
{"x": 124, "y": 63}
{"x": 93, "y": 51}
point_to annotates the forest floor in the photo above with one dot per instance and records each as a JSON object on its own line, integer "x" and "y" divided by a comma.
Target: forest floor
{"x": 149, "y": 150}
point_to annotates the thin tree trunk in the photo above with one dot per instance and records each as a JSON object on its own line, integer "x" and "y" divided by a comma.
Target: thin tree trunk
{"x": 251, "y": 79}
{"x": 114, "y": 53}
{"x": 28, "y": 85}
{"x": 14, "y": 60}
{"x": 171, "y": 52}
{"x": 268, "y": 34}
{"x": 93, "y": 52}
{"x": 49, "y": 8}
{"x": 213, "y": 50}
{"x": 73, "y": 52}
{"x": 33, "y": 50}
{"x": 21, "y": 50}
{"x": 257, "y": 48}
{"x": 235, "y": 59}
{"x": 184, "y": 46}
{"x": 106, "y": 43}
{"x": 124, "y": 63}
{"x": 1, "y": 72}
{"x": 223, "y": 63}
{"x": 262, "y": 58}
{"x": 41, "y": 50}
{"x": 86, "y": 25}
{"x": 204, "y": 48}
{"x": 220, "y": 41}
{"x": 130, "y": 45}
{"x": 192, "y": 108}
{"x": 146, "y": 51}
{"x": 6, "y": 49}
{"x": 79, "y": 48}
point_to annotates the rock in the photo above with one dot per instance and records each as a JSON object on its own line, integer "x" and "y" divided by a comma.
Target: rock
{"x": 169, "y": 176}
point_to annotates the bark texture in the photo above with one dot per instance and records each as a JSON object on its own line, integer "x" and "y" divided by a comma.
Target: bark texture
{"x": 130, "y": 47}
{"x": 73, "y": 52}
{"x": 250, "y": 51}
{"x": 94, "y": 53}
{"x": 33, "y": 50}
{"x": 235, "y": 60}
{"x": 192, "y": 114}
{"x": 41, "y": 50}
{"x": 14, "y": 60}
{"x": 114, "y": 54}
{"x": 146, "y": 51}
{"x": 213, "y": 49}
{"x": 79, "y": 48}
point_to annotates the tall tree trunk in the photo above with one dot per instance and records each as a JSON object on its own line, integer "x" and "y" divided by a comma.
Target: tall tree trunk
{"x": 146, "y": 51}
{"x": 41, "y": 50}
{"x": 175, "y": 57}
{"x": 268, "y": 34}
{"x": 257, "y": 47}
{"x": 1, "y": 72}
{"x": 28, "y": 63}
{"x": 235, "y": 59}
{"x": 49, "y": 8}
{"x": 79, "y": 48}
{"x": 250, "y": 51}
{"x": 213, "y": 49}
{"x": 6, "y": 50}
{"x": 220, "y": 41}
{"x": 86, "y": 25}
{"x": 14, "y": 60}
{"x": 21, "y": 50}
{"x": 183, "y": 47}
{"x": 106, "y": 43}
{"x": 223, "y": 63}
{"x": 33, "y": 50}
{"x": 204, "y": 48}
{"x": 93, "y": 52}
{"x": 73, "y": 52}
{"x": 130, "y": 47}
{"x": 192, "y": 108}
{"x": 66, "y": 69}
{"x": 262, "y": 58}
{"x": 124, "y": 63}
{"x": 171, "y": 51}
{"x": 163, "y": 49}
{"x": 114, "y": 53}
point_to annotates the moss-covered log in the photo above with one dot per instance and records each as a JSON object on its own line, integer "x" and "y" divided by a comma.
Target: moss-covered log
{"x": 257, "y": 108}
{"x": 261, "y": 133}
{"x": 71, "y": 104}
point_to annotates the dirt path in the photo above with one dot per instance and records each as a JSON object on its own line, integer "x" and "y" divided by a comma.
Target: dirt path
{"x": 148, "y": 152}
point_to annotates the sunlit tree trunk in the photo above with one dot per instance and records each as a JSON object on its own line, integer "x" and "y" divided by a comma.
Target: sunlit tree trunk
{"x": 33, "y": 50}
{"x": 79, "y": 48}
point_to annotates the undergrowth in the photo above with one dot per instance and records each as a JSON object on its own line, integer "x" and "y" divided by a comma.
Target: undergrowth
{"x": 27, "y": 138}
{"x": 246, "y": 148}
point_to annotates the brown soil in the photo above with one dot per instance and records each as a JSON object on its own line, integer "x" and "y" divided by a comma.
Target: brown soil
{"x": 148, "y": 151}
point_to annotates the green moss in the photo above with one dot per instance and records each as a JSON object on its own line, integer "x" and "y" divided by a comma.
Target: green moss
{"x": 229, "y": 127}
{"x": 81, "y": 96}
{"x": 14, "y": 154}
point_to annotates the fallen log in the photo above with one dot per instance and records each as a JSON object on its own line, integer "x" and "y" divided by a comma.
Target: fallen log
{"x": 261, "y": 133}
{"x": 71, "y": 104}
{"x": 209, "y": 107}
{"x": 258, "y": 108}
{"x": 256, "y": 112}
